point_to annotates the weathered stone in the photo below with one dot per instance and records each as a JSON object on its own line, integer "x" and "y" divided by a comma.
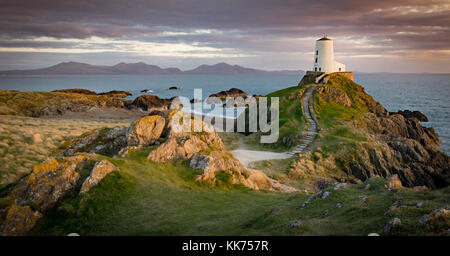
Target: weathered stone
{"x": 145, "y": 131}
{"x": 151, "y": 102}
{"x": 19, "y": 220}
{"x": 100, "y": 170}
{"x": 109, "y": 143}
{"x": 295, "y": 224}
{"x": 393, "y": 226}
{"x": 325, "y": 194}
{"x": 394, "y": 182}
{"x": 439, "y": 217}
{"x": 47, "y": 184}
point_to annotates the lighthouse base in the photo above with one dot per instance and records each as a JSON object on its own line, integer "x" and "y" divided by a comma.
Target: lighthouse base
{"x": 321, "y": 77}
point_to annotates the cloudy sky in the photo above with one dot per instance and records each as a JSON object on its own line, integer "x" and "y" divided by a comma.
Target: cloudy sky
{"x": 370, "y": 36}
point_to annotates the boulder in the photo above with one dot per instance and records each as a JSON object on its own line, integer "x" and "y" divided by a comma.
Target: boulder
{"x": 232, "y": 93}
{"x": 46, "y": 185}
{"x": 394, "y": 182}
{"x": 173, "y": 88}
{"x": 295, "y": 224}
{"x": 108, "y": 141}
{"x": 100, "y": 170}
{"x": 393, "y": 226}
{"x": 145, "y": 131}
{"x": 19, "y": 220}
{"x": 412, "y": 114}
{"x": 150, "y": 102}
{"x": 439, "y": 217}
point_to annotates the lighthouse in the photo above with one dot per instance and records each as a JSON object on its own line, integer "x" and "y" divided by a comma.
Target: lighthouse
{"x": 324, "y": 57}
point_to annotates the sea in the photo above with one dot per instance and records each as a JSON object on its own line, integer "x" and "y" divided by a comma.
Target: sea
{"x": 427, "y": 93}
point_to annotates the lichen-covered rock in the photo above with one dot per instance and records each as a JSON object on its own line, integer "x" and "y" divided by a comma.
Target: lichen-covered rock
{"x": 47, "y": 184}
{"x": 100, "y": 170}
{"x": 393, "y": 226}
{"x": 145, "y": 131}
{"x": 19, "y": 220}
{"x": 394, "y": 182}
{"x": 439, "y": 218}
{"x": 106, "y": 141}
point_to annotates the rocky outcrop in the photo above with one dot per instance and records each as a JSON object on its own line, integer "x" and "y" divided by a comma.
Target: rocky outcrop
{"x": 412, "y": 114}
{"x": 18, "y": 220}
{"x": 145, "y": 131}
{"x": 36, "y": 104}
{"x": 107, "y": 141}
{"x": 334, "y": 94}
{"x": 150, "y": 102}
{"x": 439, "y": 218}
{"x": 400, "y": 146}
{"x": 100, "y": 170}
{"x": 203, "y": 150}
{"x": 76, "y": 90}
{"x": 117, "y": 94}
{"x": 390, "y": 144}
{"x": 114, "y": 93}
{"x": 233, "y": 93}
{"x": 36, "y": 193}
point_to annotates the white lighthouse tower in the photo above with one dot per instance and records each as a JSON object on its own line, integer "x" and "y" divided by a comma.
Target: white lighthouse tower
{"x": 324, "y": 57}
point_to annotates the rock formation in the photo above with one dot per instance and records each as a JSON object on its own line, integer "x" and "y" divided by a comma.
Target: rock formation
{"x": 145, "y": 131}
{"x": 36, "y": 193}
{"x": 233, "y": 93}
{"x": 150, "y": 102}
{"x": 100, "y": 170}
{"x": 393, "y": 144}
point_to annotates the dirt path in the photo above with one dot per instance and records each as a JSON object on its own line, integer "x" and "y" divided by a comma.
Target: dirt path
{"x": 246, "y": 157}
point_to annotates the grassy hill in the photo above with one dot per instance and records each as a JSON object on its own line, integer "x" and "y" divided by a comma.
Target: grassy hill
{"x": 146, "y": 198}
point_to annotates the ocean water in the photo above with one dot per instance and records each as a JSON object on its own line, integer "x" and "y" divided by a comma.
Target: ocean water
{"x": 428, "y": 93}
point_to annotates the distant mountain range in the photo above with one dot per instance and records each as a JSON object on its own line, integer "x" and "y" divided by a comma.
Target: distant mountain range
{"x": 140, "y": 68}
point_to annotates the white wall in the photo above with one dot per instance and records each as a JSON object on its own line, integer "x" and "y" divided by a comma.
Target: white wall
{"x": 325, "y": 56}
{"x": 338, "y": 65}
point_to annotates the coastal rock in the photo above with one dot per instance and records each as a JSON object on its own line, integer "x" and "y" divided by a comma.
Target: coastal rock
{"x": 150, "y": 102}
{"x": 76, "y": 90}
{"x": 177, "y": 148}
{"x": 204, "y": 150}
{"x": 19, "y": 220}
{"x": 412, "y": 114}
{"x": 173, "y": 88}
{"x": 108, "y": 141}
{"x": 100, "y": 170}
{"x": 233, "y": 93}
{"x": 36, "y": 104}
{"x": 145, "y": 131}
{"x": 117, "y": 94}
{"x": 334, "y": 94}
{"x": 47, "y": 184}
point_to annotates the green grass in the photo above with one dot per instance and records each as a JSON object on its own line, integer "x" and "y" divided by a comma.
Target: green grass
{"x": 331, "y": 114}
{"x": 146, "y": 198}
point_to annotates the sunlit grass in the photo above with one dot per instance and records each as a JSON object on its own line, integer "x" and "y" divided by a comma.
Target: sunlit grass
{"x": 25, "y": 141}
